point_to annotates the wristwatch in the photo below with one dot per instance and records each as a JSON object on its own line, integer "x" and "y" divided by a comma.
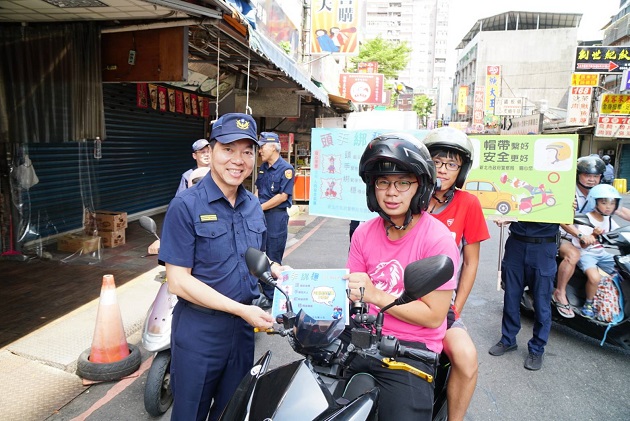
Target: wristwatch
{"x": 580, "y": 235}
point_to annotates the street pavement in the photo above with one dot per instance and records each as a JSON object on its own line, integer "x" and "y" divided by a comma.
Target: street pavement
{"x": 579, "y": 378}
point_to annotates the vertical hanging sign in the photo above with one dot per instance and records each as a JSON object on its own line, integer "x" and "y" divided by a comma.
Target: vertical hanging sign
{"x": 493, "y": 91}
{"x": 334, "y": 26}
{"x": 579, "y": 108}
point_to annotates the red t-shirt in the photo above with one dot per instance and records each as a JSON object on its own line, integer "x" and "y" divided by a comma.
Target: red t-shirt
{"x": 464, "y": 218}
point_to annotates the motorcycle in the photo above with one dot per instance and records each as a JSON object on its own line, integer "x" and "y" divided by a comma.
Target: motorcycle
{"x": 617, "y": 240}
{"x": 156, "y": 337}
{"x": 317, "y": 387}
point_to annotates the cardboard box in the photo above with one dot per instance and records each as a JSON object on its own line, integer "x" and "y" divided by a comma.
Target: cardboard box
{"x": 111, "y": 221}
{"x": 78, "y": 242}
{"x": 112, "y": 239}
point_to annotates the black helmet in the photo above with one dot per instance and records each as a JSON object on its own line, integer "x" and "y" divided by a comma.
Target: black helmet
{"x": 448, "y": 138}
{"x": 590, "y": 165}
{"x": 606, "y": 159}
{"x": 398, "y": 153}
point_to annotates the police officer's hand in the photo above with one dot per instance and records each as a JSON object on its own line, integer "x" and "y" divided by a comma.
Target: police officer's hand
{"x": 154, "y": 248}
{"x": 277, "y": 269}
{"x": 574, "y": 204}
{"x": 257, "y": 317}
{"x": 357, "y": 281}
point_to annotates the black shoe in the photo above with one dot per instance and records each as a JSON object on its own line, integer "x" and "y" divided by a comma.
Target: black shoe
{"x": 500, "y": 348}
{"x": 534, "y": 362}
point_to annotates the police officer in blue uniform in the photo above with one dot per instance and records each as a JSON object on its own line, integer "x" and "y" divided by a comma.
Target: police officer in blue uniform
{"x": 275, "y": 191}
{"x": 206, "y": 231}
{"x": 529, "y": 259}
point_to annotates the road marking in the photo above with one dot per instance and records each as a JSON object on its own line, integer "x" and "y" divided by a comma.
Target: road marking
{"x": 116, "y": 390}
{"x": 303, "y": 239}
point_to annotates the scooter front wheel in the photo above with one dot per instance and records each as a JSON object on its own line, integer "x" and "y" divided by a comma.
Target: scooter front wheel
{"x": 158, "y": 396}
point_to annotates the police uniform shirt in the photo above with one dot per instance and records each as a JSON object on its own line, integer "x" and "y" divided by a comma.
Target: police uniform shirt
{"x": 276, "y": 179}
{"x": 204, "y": 232}
{"x": 534, "y": 229}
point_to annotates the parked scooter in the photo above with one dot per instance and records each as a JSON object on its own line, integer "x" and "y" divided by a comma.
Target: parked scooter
{"x": 317, "y": 387}
{"x": 156, "y": 337}
{"x": 618, "y": 242}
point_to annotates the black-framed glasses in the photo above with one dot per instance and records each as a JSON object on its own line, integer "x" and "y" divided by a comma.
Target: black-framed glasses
{"x": 399, "y": 185}
{"x": 450, "y": 166}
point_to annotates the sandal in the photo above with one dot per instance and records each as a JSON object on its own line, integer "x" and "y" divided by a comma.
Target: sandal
{"x": 564, "y": 310}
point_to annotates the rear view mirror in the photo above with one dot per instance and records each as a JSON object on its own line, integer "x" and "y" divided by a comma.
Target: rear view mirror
{"x": 426, "y": 275}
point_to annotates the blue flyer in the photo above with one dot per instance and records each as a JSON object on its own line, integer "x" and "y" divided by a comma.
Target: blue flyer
{"x": 321, "y": 293}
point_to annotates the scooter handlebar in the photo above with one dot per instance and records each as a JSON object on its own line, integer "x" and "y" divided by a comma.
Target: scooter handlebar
{"x": 426, "y": 356}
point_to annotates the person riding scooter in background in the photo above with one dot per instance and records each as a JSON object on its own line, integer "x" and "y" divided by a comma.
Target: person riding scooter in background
{"x": 605, "y": 198}
{"x": 400, "y": 177}
{"x": 589, "y": 173}
{"x": 609, "y": 173}
{"x": 452, "y": 153}
{"x": 590, "y": 170}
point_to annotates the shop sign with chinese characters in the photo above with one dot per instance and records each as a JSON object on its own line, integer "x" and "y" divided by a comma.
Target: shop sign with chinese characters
{"x": 579, "y": 108}
{"x": 584, "y": 79}
{"x": 617, "y": 104}
{"x": 509, "y": 106}
{"x": 362, "y": 88}
{"x": 613, "y": 126}
{"x": 602, "y": 59}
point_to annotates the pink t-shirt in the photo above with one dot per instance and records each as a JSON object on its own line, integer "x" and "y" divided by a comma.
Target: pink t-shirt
{"x": 384, "y": 260}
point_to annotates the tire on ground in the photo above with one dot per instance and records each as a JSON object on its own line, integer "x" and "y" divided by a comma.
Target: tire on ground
{"x": 158, "y": 396}
{"x": 108, "y": 371}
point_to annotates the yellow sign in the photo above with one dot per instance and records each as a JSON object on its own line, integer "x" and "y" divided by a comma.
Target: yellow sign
{"x": 462, "y": 99}
{"x": 617, "y": 104}
{"x": 584, "y": 79}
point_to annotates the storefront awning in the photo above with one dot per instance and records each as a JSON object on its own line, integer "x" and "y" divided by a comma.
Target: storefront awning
{"x": 340, "y": 104}
{"x": 266, "y": 48}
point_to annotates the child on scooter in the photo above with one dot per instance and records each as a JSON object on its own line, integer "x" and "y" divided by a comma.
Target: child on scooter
{"x": 605, "y": 198}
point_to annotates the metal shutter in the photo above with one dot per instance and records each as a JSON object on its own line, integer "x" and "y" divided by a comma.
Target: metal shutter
{"x": 143, "y": 157}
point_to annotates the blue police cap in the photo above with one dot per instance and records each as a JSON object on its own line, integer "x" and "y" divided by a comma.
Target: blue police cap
{"x": 234, "y": 126}
{"x": 268, "y": 137}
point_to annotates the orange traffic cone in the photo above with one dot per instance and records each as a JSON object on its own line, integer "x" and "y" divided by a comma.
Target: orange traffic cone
{"x": 109, "y": 343}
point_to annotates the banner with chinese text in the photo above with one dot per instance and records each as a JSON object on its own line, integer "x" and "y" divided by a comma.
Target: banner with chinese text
{"x": 529, "y": 177}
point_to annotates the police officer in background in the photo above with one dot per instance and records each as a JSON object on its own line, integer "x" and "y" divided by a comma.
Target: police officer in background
{"x": 529, "y": 259}
{"x": 275, "y": 191}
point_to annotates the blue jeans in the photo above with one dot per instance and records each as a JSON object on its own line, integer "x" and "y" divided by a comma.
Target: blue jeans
{"x": 532, "y": 265}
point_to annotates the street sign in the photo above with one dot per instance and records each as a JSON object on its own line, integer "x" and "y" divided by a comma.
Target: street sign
{"x": 601, "y": 59}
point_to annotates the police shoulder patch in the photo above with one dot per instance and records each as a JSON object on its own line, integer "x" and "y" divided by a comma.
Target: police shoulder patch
{"x": 288, "y": 174}
{"x": 207, "y": 218}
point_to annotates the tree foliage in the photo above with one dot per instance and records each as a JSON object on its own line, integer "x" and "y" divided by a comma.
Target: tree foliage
{"x": 391, "y": 57}
{"x": 423, "y": 106}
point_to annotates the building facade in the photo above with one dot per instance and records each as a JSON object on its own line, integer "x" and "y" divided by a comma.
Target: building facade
{"x": 424, "y": 25}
